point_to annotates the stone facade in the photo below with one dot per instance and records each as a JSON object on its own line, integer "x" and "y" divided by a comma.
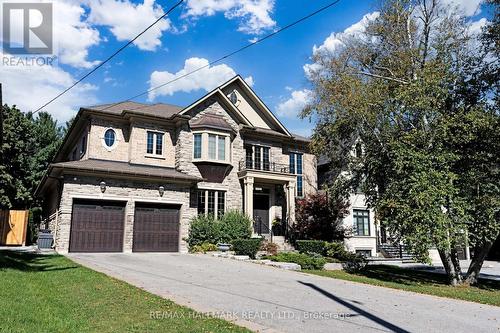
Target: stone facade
{"x": 78, "y": 187}
{"x": 131, "y": 146}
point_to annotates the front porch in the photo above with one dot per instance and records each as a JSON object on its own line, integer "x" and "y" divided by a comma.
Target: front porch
{"x": 268, "y": 197}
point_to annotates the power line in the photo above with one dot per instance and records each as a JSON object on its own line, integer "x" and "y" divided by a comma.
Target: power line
{"x": 110, "y": 57}
{"x": 229, "y": 54}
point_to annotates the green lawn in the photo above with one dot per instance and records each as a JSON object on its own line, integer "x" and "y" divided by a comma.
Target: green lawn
{"x": 488, "y": 292}
{"x": 53, "y": 294}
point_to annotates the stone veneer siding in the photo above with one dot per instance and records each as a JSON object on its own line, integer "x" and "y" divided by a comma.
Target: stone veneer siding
{"x": 85, "y": 187}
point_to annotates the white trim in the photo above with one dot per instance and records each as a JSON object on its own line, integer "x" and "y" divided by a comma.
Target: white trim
{"x": 205, "y": 147}
{"x": 155, "y": 138}
{"x": 103, "y": 140}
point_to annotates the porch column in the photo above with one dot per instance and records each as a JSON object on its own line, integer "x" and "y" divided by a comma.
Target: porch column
{"x": 290, "y": 198}
{"x": 248, "y": 196}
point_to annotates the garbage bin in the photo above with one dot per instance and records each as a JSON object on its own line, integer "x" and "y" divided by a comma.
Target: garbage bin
{"x": 45, "y": 239}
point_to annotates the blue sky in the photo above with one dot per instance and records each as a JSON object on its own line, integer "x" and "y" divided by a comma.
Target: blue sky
{"x": 198, "y": 31}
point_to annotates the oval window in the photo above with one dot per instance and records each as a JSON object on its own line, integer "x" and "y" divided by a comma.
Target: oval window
{"x": 109, "y": 137}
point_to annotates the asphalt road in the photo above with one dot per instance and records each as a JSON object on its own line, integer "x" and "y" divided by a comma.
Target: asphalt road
{"x": 269, "y": 299}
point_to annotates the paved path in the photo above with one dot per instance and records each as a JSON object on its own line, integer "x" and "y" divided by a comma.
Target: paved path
{"x": 270, "y": 299}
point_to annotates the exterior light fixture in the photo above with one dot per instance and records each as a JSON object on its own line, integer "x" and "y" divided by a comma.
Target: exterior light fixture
{"x": 102, "y": 185}
{"x": 161, "y": 190}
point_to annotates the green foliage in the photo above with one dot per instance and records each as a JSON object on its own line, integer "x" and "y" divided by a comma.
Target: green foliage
{"x": 246, "y": 247}
{"x": 304, "y": 260}
{"x": 354, "y": 263}
{"x": 420, "y": 95}
{"x": 29, "y": 144}
{"x": 310, "y": 246}
{"x": 319, "y": 217}
{"x": 203, "y": 248}
{"x": 205, "y": 229}
{"x": 233, "y": 225}
{"x": 336, "y": 251}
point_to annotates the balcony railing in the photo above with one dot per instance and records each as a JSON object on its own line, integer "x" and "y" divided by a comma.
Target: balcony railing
{"x": 264, "y": 166}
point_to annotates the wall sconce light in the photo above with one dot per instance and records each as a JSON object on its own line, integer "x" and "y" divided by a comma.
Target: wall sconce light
{"x": 102, "y": 185}
{"x": 161, "y": 190}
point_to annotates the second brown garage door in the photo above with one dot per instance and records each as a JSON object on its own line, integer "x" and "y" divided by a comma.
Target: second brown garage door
{"x": 156, "y": 228}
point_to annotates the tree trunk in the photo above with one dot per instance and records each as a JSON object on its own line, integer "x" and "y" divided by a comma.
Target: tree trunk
{"x": 480, "y": 253}
{"x": 454, "y": 276}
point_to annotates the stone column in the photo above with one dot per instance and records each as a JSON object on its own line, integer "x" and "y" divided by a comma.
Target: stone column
{"x": 248, "y": 193}
{"x": 290, "y": 198}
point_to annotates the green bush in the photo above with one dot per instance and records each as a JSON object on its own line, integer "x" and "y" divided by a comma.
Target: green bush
{"x": 203, "y": 248}
{"x": 205, "y": 229}
{"x": 310, "y": 246}
{"x": 305, "y": 261}
{"x": 354, "y": 263}
{"x": 234, "y": 225}
{"x": 247, "y": 247}
{"x": 336, "y": 251}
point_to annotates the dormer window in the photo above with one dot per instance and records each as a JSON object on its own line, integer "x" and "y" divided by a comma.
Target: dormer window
{"x": 154, "y": 143}
{"x": 211, "y": 146}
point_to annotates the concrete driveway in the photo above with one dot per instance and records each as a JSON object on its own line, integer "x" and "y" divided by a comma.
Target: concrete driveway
{"x": 269, "y": 299}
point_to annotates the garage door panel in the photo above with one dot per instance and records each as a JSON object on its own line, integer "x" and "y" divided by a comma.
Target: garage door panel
{"x": 156, "y": 228}
{"x": 97, "y": 227}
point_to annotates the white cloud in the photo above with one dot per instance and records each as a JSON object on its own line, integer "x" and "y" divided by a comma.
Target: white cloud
{"x": 476, "y": 26}
{"x": 126, "y": 19}
{"x": 73, "y": 34}
{"x": 255, "y": 15}
{"x": 207, "y": 78}
{"x": 295, "y": 104}
{"x": 249, "y": 80}
{"x": 31, "y": 87}
{"x": 336, "y": 40}
{"x": 468, "y": 7}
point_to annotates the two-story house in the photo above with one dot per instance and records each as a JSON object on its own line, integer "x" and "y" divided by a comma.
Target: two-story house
{"x": 131, "y": 176}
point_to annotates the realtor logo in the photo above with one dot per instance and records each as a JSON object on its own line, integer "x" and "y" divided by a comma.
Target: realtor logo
{"x": 27, "y": 28}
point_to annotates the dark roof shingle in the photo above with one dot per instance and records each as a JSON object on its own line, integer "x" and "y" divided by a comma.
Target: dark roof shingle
{"x": 125, "y": 168}
{"x": 160, "y": 110}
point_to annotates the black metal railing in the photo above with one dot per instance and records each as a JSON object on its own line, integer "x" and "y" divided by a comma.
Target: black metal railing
{"x": 261, "y": 228}
{"x": 249, "y": 164}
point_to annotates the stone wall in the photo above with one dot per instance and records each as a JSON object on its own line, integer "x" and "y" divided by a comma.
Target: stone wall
{"x": 78, "y": 187}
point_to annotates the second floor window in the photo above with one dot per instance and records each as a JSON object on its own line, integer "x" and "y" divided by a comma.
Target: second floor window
{"x": 257, "y": 157}
{"x": 296, "y": 167}
{"x": 210, "y": 146}
{"x": 154, "y": 143}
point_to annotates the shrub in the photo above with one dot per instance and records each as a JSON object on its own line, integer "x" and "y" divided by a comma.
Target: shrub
{"x": 247, "y": 247}
{"x": 234, "y": 225}
{"x": 205, "y": 229}
{"x": 305, "y": 261}
{"x": 320, "y": 217}
{"x": 310, "y": 246}
{"x": 203, "y": 248}
{"x": 354, "y": 263}
{"x": 336, "y": 250}
{"x": 270, "y": 248}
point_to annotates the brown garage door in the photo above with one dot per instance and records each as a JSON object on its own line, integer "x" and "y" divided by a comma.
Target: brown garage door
{"x": 156, "y": 228}
{"x": 97, "y": 226}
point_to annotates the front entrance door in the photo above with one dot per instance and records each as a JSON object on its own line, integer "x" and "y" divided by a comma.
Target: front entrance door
{"x": 261, "y": 213}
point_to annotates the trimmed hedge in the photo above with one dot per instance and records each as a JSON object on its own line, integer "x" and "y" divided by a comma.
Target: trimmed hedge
{"x": 354, "y": 263}
{"x": 247, "y": 247}
{"x": 336, "y": 251}
{"x": 311, "y": 246}
{"x": 305, "y": 261}
{"x": 203, "y": 248}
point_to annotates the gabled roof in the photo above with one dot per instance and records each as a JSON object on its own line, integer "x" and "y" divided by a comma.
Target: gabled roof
{"x": 262, "y": 106}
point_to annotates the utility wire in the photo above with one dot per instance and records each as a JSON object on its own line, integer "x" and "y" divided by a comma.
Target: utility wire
{"x": 110, "y": 57}
{"x": 238, "y": 50}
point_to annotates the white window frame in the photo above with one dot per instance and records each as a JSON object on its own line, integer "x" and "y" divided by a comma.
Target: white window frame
{"x": 216, "y": 200}
{"x": 205, "y": 144}
{"x": 295, "y": 172}
{"x": 103, "y": 141}
{"x": 261, "y": 147}
{"x": 155, "y": 138}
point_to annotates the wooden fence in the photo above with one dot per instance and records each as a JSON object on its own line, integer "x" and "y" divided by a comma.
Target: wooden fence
{"x": 13, "y": 226}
